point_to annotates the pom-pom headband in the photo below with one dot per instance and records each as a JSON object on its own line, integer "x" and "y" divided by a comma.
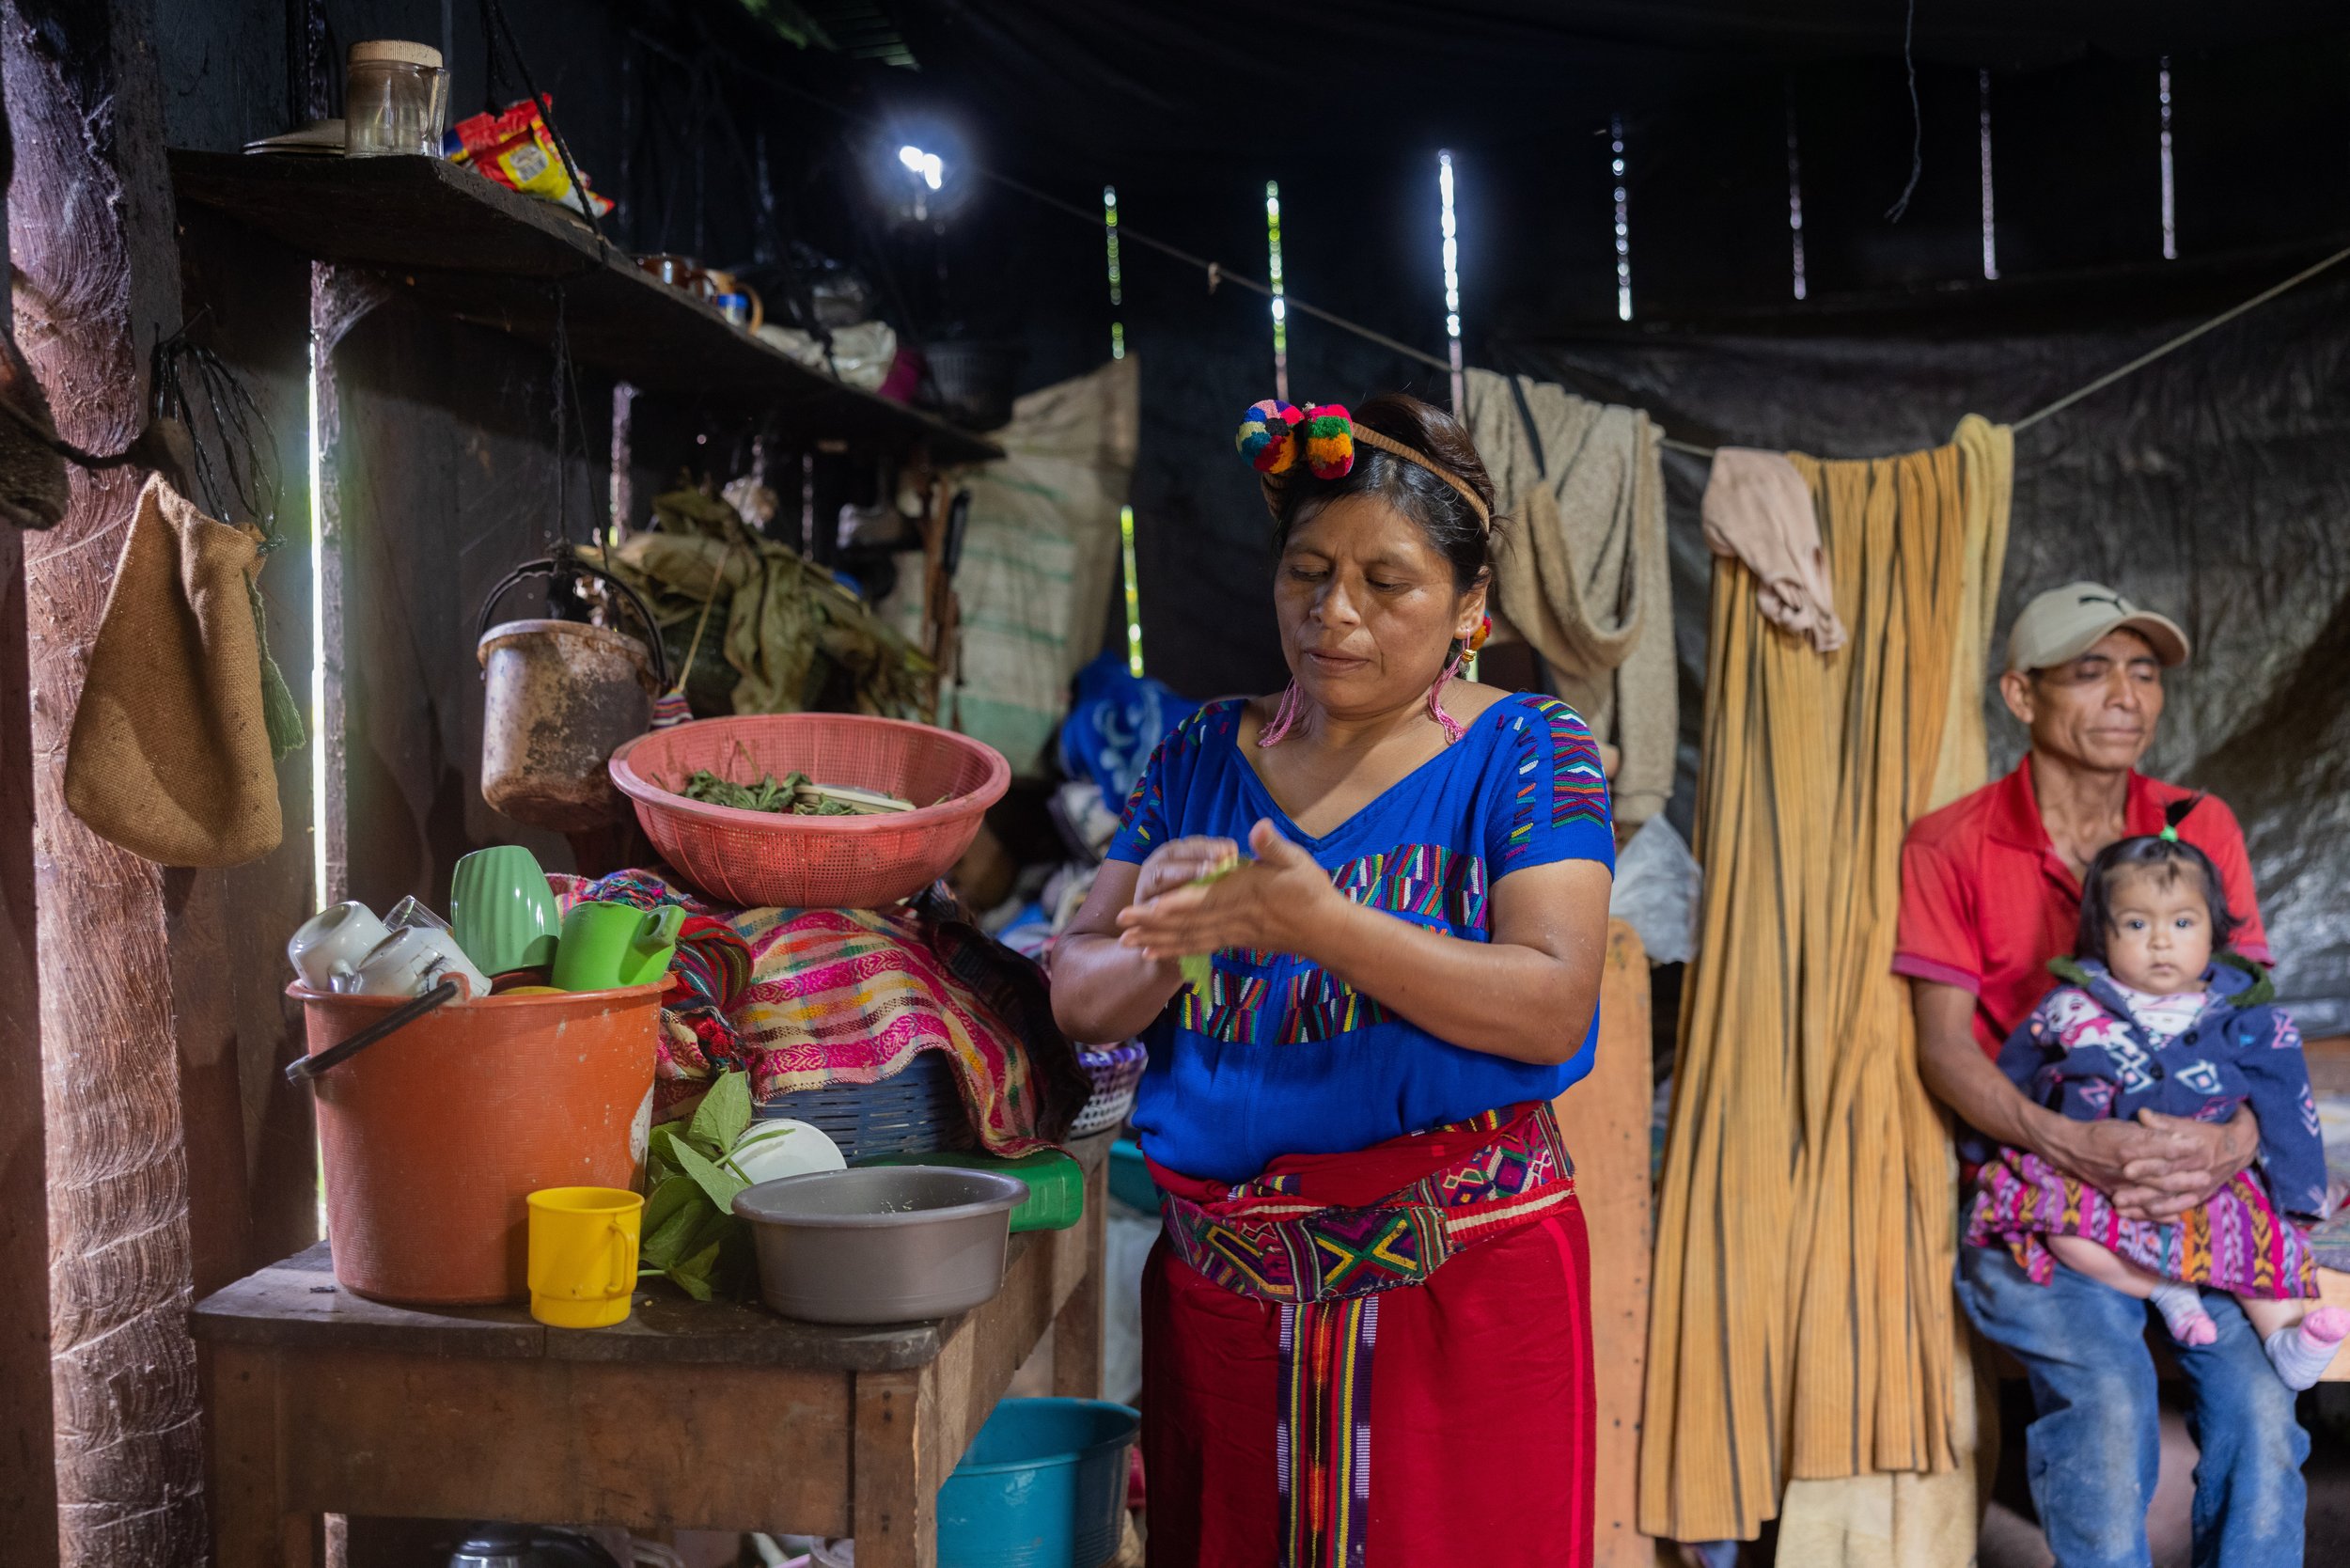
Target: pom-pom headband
{"x": 1272, "y": 435}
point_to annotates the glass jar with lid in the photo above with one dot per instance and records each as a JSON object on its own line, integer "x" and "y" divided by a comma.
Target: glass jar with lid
{"x": 395, "y": 100}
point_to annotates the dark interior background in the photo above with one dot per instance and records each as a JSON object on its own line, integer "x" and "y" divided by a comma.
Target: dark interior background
{"x": 2212, "y": 485}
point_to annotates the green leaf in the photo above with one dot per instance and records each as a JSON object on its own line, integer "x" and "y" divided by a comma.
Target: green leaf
{"x": 668, "y": 1196}
{"x": 724, "y": 1112}
{"x": 1198, "y": 969}
{"x": 661, "y": 1152}
{"x": 718, "y": 1184}
{"x": 693, "y": 1275}
{"x": 674, "y": 1237}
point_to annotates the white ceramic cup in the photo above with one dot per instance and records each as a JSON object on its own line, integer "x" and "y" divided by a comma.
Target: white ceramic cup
{"x": 412, "y": 961}
{"x": 328, "y": 948}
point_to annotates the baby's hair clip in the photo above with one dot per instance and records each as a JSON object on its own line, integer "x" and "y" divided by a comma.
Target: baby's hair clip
{"x": 2176, "y": 812}
{"x": 1268, "y": 437}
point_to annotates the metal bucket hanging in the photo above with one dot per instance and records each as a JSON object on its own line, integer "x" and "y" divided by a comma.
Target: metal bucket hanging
{"x": 562, "y": 697}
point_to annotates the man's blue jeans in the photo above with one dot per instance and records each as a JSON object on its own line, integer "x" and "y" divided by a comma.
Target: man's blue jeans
{"x": 2092, "y": 1451}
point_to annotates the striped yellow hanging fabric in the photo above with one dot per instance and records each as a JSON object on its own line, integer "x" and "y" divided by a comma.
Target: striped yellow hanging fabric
{"x": 1801, "y": 1321}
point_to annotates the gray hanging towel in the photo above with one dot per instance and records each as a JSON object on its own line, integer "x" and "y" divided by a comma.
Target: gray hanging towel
{"x": 1582, "y": 573}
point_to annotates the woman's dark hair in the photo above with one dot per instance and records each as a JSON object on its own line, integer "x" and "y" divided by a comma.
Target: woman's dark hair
{"x": 2167, "y": 859}
{"x": 1448, "y": 520}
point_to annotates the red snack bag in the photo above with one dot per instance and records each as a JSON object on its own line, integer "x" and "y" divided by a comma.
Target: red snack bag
{"x": 514, "y": 149}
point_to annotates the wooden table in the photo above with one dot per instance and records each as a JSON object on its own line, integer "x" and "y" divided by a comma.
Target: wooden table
{"x": 688, "y": 1416}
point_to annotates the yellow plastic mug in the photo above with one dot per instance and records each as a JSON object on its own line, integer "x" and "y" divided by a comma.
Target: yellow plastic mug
{"x": 583, "y": 1255}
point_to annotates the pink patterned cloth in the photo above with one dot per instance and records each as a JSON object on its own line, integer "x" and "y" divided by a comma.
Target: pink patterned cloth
{"x": 849, "y": 995}
{"x": 2234, "y": 1241}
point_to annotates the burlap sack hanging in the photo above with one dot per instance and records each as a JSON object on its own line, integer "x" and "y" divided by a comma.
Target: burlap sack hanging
{"x": 170, "y": 752}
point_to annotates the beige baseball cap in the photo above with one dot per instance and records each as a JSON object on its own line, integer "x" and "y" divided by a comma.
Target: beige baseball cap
{"x": 2063, "y": 624}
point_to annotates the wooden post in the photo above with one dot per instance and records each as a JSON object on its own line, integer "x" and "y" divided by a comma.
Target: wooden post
{"x": 895, "y": 1473}
{"x": 90, "y": 229}
{"x": 1605, "y": 1120}
{"x": 28, "y": 1461}
{"x": 340, "y": 299}
{"x": 1079, "y": 1330}
{"x": 28, "y": 1458}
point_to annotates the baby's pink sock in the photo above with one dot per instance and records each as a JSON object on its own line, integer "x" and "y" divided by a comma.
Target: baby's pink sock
{"x": 2181, "y": 1309}
{"x": 2301, "y": 1355}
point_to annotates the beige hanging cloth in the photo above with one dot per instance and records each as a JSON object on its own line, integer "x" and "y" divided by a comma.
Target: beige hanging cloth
{"x": 170, "y": 755}
{"x": 1758, "y": 508}
{"x": 1582, "y": 572}
{"x": 1802, "y": 1325}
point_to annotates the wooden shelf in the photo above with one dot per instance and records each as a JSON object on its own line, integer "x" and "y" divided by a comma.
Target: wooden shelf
{"x": 474, "y": 250}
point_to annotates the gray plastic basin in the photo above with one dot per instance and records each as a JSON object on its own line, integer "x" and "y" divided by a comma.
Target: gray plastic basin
{"x": 881, "y": 1245}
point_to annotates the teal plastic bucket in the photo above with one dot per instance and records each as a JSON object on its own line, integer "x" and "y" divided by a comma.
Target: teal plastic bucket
{"x": 1130, "y": 1178}
{"x": 1043, "y": 1486}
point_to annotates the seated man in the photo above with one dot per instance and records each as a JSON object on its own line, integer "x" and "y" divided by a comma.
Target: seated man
{"x": 1990, "y": 892}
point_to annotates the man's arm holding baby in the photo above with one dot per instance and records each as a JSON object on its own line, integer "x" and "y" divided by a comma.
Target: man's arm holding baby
{"x": 2153, "y": 1169}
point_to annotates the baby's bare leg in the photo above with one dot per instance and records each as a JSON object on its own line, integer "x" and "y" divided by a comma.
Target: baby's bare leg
{"x": 2180, "y": 1306}
{"x": 2269, "y": 1315}
{"x": 2107, "y": 1267}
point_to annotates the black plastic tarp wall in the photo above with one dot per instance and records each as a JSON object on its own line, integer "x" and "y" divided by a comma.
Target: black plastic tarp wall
{"x": 2214, "y": 485}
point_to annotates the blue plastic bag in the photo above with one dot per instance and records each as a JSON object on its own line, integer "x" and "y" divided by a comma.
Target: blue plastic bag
{"x": 1115, "y": 722}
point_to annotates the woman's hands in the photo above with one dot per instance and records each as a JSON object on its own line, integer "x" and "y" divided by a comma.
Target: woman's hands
{"x": 1277, "y": 903}
{"x": 1180, "y": 861}
{"x": 1526, "y": 993}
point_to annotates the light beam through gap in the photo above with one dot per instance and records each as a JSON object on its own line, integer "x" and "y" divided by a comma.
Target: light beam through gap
{"x": 1451, "y": 280}
{"x": 1280, "y": 305}
{"x": 1623, "y": 221}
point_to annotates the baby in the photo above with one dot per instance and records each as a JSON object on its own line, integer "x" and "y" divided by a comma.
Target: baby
{"x": 2158, "y": 1015}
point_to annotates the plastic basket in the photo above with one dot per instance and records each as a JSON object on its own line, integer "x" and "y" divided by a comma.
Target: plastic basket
{"x": 917, "y": 1111}
{"x": 975, "y": 380}
{"x": 755, "y": 859}
{"x": 1116, "y": 1072}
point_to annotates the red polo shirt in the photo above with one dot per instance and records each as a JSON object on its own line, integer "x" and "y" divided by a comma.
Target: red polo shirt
{"x": 1986, "y": 901}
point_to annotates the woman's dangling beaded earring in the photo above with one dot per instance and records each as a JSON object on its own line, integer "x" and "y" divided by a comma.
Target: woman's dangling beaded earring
{"x": 1286, "y": 718}
{"x": 1453, "y": 665}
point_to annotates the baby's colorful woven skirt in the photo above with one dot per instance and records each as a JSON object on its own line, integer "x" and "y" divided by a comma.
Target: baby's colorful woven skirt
{"x": 1375, "y": 1359}
{"x": 2234, "y": 1241}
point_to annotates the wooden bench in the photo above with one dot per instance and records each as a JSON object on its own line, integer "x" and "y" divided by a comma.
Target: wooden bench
{"x": 690, "y": 1415}
{"x": 1605, "y": 1120}
{"x": 2330, "y": 1073}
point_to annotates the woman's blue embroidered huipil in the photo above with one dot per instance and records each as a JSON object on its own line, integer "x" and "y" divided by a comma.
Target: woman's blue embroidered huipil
{"x": 1280, "y": 1057}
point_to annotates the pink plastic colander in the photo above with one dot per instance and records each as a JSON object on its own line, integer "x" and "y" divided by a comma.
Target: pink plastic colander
{"x": 757, "y": 858}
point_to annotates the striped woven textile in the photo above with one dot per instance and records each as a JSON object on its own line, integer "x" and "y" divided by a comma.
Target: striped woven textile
{"x": 2234, "y": 1241}
{"x": 849, "y": 995}
{"x": 1802, "y": 1319}
{"x": 1397, "y": 1307}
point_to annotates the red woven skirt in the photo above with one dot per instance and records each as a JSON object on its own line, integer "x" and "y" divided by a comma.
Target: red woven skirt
{"x": 1374, "y": 1360}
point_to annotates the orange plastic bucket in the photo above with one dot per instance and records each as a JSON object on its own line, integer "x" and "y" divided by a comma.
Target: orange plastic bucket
{"x": 432, "y": 1139}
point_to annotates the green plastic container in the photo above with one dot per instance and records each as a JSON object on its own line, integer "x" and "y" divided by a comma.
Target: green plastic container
{"x": 1057, "y": 1187}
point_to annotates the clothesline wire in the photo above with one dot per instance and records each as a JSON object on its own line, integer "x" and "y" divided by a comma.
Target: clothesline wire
{"x": 1217, "y": 272}
{"x": 2183, "y": 340}
{"x": 2169, "y": 346}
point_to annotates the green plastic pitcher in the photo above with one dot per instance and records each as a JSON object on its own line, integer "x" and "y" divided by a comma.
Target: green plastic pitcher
{"x": 605, "y": 945}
